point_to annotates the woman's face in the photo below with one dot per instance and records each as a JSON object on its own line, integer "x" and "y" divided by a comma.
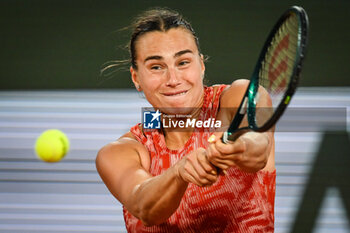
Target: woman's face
{"x": 170, "y": 70}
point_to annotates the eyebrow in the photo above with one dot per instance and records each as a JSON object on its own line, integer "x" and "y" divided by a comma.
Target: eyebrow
{"x": 178, "y": 54}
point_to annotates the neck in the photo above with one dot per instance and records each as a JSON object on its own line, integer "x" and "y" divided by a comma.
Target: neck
{"x": 176, "y": 135}
{"x": 175, "y": 131}
{"x": 175, "y": 139}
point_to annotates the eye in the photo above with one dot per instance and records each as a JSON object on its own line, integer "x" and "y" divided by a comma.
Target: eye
{"x": 184, "y": 62}
{"x": 156, "y": 67}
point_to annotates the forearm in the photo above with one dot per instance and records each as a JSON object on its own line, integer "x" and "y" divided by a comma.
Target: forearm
{"x": 153, "y": 199}
{"x": 157, "y": 198}
{"x": 250, "y": 152}
{"x": 257, "y": 152}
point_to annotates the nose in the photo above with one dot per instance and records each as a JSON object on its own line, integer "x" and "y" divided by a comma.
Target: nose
{"x": 172, "y": 78}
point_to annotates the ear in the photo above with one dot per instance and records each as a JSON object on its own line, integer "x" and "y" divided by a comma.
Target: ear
{"x": 135, "y": 79}
{"x": 202, "y": 65}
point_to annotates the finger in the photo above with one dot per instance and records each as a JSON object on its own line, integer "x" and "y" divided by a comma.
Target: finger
{"x": 190, "y": 179}
{"x": 215, "y": 155}
{"x": 202, "y": 176}
{"x": 237, "y": 146}
{"x": 205, "y": 163}
{"x": 212, "y": 153}
{"x": 214, "y": 137}
{"x": 197, "y": 171}
{"x": 201, "y": 181}
{"x": 224, "y": 164}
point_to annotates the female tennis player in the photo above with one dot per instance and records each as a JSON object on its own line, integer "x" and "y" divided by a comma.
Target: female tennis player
{"x": 186, "y": 180}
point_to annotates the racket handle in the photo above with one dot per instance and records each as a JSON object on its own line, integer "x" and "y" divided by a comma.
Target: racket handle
{"x": 228, "y": 137}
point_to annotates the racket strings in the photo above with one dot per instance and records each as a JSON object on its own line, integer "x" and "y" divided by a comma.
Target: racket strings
{"x": 279, "y": 62}
{"x": 277, "y": 67}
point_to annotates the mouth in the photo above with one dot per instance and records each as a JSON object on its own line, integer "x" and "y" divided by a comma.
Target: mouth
{"x": 175, "y": 94}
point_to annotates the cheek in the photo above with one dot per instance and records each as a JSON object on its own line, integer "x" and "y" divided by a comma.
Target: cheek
{"x": 196, "y": 73}
{"x": 196, "y": 78}
{"x": 147, "y": 81}
{"x": 150, "y": 96}
{"x": 192, "y": 75}
{"x": 149, "y": 86}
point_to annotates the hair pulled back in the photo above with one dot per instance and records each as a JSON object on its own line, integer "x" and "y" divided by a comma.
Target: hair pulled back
{"x": 158, "y": 19}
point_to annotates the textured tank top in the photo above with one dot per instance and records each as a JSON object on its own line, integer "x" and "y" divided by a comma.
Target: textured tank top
{"x": 237, "y": 202}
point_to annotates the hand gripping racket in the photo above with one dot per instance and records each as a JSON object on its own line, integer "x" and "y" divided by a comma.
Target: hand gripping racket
{"x": 277, "y": 71}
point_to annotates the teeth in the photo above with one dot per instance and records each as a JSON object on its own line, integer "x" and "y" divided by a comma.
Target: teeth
{"x": 179, "y": 94}
{"x": 182, "y": 93}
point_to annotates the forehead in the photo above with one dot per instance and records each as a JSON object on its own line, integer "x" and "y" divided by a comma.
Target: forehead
{"x": 165, "y": 43}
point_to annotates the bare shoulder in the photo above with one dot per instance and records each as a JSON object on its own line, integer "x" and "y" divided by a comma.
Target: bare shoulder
{"x": 126, "y": 148}
{"x": 122, "y": 165}
{"x": 233, "y": 94}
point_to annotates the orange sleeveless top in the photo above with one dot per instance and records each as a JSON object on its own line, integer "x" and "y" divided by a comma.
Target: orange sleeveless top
{"x": 237, "y": 202}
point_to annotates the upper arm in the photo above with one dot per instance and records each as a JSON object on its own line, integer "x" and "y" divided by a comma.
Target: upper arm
{"x": 120, "y": 167}
{"x": 231, "y": 99}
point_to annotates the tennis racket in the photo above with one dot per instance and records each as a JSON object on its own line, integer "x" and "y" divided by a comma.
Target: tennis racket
{"x": 277, "y": 71}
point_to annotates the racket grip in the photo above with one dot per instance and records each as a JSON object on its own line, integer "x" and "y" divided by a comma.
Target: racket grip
{"x": 228, "y": 137}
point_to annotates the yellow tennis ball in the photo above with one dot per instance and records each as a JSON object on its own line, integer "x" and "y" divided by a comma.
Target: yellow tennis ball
{"x": 52, "y": 145}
